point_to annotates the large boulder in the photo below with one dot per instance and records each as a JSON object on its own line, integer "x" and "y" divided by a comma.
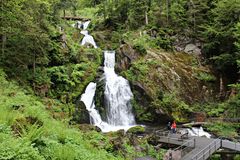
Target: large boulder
{"x": 165, "y": 85}
{"x": 81, "y": 114}
{"x": 136, "y": 130}
{"x": 125, "y": 55}
{"x": 171, "y": 154}
{"x": 192, "y": 49}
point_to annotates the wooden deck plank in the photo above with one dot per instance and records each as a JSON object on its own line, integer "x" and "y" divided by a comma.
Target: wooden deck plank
{"x": 204, "y": 147}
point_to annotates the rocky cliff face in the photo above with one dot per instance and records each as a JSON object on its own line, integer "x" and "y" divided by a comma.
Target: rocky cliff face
{"x": 165, "y": 84}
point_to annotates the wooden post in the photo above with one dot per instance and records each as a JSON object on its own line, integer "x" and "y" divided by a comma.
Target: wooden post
{"x": 64, "y": 13}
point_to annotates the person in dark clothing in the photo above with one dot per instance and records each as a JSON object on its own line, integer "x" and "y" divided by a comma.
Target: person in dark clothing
{"x": 169, "y": 126}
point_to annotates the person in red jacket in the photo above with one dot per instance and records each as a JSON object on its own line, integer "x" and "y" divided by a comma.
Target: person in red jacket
{"x": 174, "y": 127}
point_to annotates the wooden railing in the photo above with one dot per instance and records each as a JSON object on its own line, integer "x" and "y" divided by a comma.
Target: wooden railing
{"x": 186, "y": 147}
{"x": 231, "y": 145}
{"x": 208, "y": 150}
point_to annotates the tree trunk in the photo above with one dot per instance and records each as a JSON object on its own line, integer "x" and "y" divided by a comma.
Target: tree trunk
{"x": 167, "y": 10}
{"x": 146, "y": 18}
{"x": 168, "y": 6}
{"x": 4, "y": 39}
{"x": 221, "y": 87}
{"x": 34, "y": 72}
{"x": 64, "y": 13}
{"x": 194, "y": 15}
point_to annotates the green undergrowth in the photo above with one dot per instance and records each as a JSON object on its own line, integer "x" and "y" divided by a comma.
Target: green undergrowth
{"x": 125, "y": 144}
{"x": 30, "y": 129}
{"x": 27, "y": 131}
{"x": 224, "y": 129}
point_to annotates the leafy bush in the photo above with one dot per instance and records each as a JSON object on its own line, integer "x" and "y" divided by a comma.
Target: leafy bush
{"x": 203, "y": 76}
{"x": 223, "y": 129}
{"x": 140, "y": 49}
{"x": 175, "y": 107}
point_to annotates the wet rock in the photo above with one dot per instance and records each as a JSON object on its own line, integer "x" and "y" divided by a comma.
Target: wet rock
{"x": 145, "y": 158}
{"x": 81, "y": 114}
{"x": 192, "y": 49}
{"x": 158, "y": 147}
{"x": 99, "y": 98}
{"x": 176, "y": 155}
{"x": 144, "y": 99}
{"x": 97, "y": 129}
{"x": 121, "y": 132}
{"x": 86, "y": 127}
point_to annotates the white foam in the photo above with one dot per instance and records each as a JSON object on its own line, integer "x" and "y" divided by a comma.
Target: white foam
{"x": 195, "y": 131}
{"x": 117, "y": 97}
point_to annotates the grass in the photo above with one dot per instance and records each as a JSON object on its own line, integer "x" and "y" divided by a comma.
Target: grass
{"x": 27, "y": 130}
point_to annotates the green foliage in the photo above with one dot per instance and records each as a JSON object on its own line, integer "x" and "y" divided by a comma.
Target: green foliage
{"x": 11, "y": 148}
{"x": 178, "y": 15}
{"x": 139, "y": 70}
{"x": 219, "y": 33}
{"x": 136, "y": 13}
{"x": 175, "y": 107}
{"x": 204, "y": 76}
{"x": 46, "y": 138}
{"x": 233, "y": 106}
{"x": 72, "y": 78}
{"x": 227, "y": 109}
{"x": 164, "y": 40}
{"x": 140, "y": 49}
{"x": 214, "y": 110}
{"x": 223, "y": 129}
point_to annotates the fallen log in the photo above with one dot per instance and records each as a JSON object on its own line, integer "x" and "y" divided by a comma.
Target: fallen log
{"x": 75, "y": 18}
{"x": 194, "y": 124}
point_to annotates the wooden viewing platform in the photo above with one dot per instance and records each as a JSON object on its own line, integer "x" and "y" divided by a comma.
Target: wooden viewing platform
{"x": 196, "y": 148}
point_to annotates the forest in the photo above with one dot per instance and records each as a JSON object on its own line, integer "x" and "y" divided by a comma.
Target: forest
{"x": 181, "y": 59}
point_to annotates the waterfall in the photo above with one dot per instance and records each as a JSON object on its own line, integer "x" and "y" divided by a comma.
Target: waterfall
{"x": 87, "y": 39}
{"x": 117, "y": 97}
{"x": 88, "y": 100}
{"x": 117, "y": 94}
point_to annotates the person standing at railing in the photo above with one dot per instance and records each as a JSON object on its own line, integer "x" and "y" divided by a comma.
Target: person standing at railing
{"x": 169, "y": 126}
{"x": 174, "y": 127}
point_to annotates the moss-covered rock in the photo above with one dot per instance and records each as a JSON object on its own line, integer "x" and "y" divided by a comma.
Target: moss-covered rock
{"x": 125, "y": 55}
{"x": 165, "y": 85}
{"x": 136, "y": 130}
{"x": 81, "y": 114}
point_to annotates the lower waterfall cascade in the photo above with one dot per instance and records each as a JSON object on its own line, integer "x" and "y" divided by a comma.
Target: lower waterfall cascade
{"x": 117, "y": 97}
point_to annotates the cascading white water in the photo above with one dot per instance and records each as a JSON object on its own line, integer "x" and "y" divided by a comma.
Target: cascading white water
{"x": 87, "y": 39}
{"x": 88, "y": 100}
{"x": 117, "y": 99}
{"x": 117, "y": 94}
{"x": 194, "y": 131}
